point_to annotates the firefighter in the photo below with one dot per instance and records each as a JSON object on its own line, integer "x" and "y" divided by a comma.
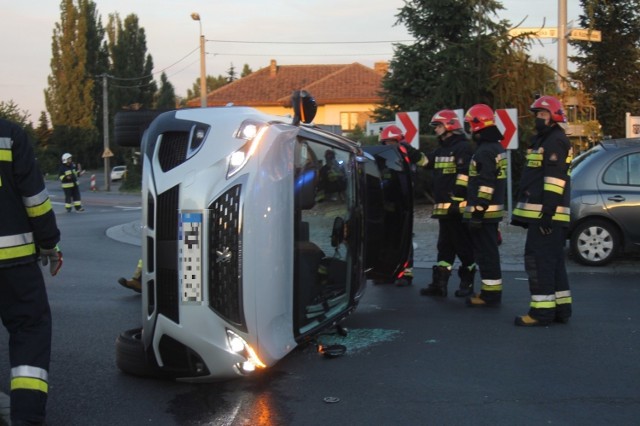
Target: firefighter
{"x": 485, "y": 202}
{"x": 542, "y": 206}
{"x": 28, "y": 232}
{"x": 392, "y": 135}
{"x": 69, "y": 178}
{"x": 450, "y": 164}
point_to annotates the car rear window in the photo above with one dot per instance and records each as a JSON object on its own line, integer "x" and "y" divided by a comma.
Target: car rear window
{"x": 585, "y": 158}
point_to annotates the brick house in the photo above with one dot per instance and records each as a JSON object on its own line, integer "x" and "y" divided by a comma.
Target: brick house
{"x": 346, "y": 94}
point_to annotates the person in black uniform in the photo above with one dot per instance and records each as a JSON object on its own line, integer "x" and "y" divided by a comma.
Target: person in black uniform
{"x": 543, "y": 208}
{"x": 392, "y": 135}
{"x": 450, "y": 164}
{"x": 28, "y": 230}
{"x": 485, "y": 202}
{"x": 69, "y": 179}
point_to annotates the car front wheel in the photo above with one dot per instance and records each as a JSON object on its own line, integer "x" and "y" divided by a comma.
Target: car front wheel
{"x": 595, "y": 242}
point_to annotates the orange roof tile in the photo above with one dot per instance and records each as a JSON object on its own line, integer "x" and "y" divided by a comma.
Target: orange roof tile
{"x": 273, "y": 85}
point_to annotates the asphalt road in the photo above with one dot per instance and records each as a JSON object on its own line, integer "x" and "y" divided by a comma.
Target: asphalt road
{"x": 410, "y": 360}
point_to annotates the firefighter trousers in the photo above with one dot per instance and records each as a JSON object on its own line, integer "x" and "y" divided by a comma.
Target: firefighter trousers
{"x": 454, "y": 240}
{"x": 72, "y": 197}
{"x": 25, "y": 313}
{"x": 544, "y": 261}
{"x": 487, "y": 255}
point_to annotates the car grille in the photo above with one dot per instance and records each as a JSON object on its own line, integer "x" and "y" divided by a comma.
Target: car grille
{"x": 166, "y": 249}
{"x": 173, "y": 150}
{"x": 225, "y": 243}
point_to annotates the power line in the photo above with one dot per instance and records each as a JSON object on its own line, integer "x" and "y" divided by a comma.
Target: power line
{"x": 311, "y": 42}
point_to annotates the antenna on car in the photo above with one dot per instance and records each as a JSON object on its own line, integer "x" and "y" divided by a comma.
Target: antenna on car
{"x": 304, "y": 107}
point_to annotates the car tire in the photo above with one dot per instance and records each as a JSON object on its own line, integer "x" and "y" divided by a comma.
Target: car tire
{"x": 595, "y": 242}
{"x": 129, "y": 126}
{"x": 131, "y": 357}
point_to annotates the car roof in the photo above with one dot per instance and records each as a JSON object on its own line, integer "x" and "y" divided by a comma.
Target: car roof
{"x": 620, "y": 143}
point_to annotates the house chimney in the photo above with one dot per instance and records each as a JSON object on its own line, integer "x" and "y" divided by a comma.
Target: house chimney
{"x": 273, "y": 68}
{"x": 381, "y": 68}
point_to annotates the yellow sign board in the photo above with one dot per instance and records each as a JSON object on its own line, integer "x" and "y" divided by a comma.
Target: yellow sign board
{"x": 535, "y": 32}
{"x": 107, "y": 153}
{"x": 588, "y": 35}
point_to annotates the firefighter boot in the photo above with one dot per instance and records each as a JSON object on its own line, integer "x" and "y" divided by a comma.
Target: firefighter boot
{"x": 438, "y": 287}
{"x": 134, "y": 283}
{"x": 466, "y": 274}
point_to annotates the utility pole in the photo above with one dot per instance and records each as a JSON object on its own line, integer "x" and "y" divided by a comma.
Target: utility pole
{"x": 106, "y": 155}
{"x": 562, "y": 45}
{"x": 203, "y": 73}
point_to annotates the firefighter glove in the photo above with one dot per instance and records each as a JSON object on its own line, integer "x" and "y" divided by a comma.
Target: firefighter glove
{"x": 546, "y": 224}
{"x": 51, "y": 257}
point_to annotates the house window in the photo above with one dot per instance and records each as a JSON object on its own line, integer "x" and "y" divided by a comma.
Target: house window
{"x": 348, "y": 120}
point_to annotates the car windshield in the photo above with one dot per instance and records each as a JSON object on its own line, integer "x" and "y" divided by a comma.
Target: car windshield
{"x": 324, "y": 199}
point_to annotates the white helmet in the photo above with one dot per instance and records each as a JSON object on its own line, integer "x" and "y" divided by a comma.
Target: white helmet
{"x": 65, "y": 157}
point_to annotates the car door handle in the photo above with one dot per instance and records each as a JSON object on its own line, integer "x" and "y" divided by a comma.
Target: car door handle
{"x": 616, "y": 198}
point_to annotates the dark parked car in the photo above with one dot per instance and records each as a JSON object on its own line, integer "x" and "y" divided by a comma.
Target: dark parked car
{"x": 605, "y": 201}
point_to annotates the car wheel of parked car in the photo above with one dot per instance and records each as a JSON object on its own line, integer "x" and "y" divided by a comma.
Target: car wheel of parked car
{"x": 595, "y": 242}
{"x": 131, "y": 357}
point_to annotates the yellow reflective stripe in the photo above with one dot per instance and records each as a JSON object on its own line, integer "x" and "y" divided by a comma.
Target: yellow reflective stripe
{"x": 543, "y": 305}
{"x": 502, "y": 168}
{"x": 40, "y": 210}
{"x": 462, "y": 180}
{"x": 29, "y": 383}
{"x": 17, "y": 252}
{"x": 68, "y": 185}
{"x": 535, "y": 156}
{"x": 553, "y": 188}
{"x": 564, "y": 301}
{"x": 6, "y": 155}
{"x": 444, "y": 263}
{"x": 491, "y": 285}
{"x": 423, "y": 161}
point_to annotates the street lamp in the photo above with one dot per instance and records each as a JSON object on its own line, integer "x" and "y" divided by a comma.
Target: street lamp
{"x": 203, "y": 74}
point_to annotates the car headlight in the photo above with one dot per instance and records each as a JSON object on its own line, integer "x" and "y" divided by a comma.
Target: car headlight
{"x": 252, "y": 132}
{"x": 239, "y": 346}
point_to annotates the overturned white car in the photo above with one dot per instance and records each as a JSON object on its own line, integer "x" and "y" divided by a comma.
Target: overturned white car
{"x": 258, "y": 233}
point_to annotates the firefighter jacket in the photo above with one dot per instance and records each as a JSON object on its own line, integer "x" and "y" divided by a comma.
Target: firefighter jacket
{"x": 487, "y": 180}
{"x": 27, "y": 220}
{"x": 545, "y": 182}
{"x": 450, "y": 164}
{"x": 68, "y": 175}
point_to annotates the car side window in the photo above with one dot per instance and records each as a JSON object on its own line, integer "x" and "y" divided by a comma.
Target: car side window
{"x": 634, "y": 169}
{"x": 616, "y": 173}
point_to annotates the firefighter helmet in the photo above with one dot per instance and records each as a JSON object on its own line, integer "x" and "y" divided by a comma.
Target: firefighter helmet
{"x": 391, "y": 132}
{"x": 551, "y": 104}
{"x": 449, "y": 119}
{"x": 480, "y": 116}
{"x": 66, "y": 156}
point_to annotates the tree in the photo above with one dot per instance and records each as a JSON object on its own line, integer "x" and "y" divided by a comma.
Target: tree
{"x": 167, "y": 94}
{"x": 69, "y": 95}
{"x": 131, "y": 66}
{"x": 246, "y": 70}
{"x": 12, "y": 112}
{"x": 610, "y": 69}
{"x": 461, "y": 56}
{"x": 212, "y": 84}
{"x": 231, "y": 74}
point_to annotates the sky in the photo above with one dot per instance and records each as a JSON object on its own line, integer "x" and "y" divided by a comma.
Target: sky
{"x": 271, "y": 28}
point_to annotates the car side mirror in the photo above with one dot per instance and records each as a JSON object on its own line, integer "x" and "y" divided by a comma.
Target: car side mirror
{"x": 304, "y": 107}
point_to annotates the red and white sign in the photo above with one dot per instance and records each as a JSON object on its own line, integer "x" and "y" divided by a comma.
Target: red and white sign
{"x": 507, "y": 122}
{"x": 409, "y": 122}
